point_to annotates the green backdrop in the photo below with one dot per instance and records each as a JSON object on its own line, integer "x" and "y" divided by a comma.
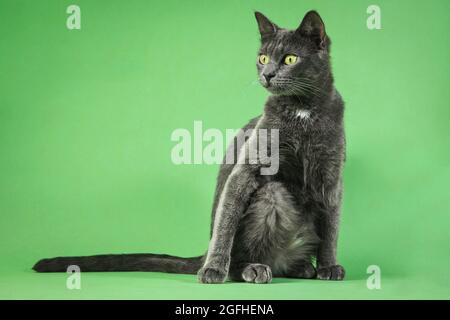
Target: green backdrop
{"x": 86, "y": 118}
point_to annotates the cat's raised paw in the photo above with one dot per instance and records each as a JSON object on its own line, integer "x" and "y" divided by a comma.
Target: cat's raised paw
{"x": 211, "y": 275}
{"x": 257, "y": 273}
{"x": 335, "y": 272}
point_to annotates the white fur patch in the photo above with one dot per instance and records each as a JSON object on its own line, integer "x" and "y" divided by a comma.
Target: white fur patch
{"x": 303, "y": 114}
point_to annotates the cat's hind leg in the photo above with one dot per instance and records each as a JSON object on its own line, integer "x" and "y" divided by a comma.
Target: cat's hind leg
{"x": 302, "y": 270}
{"x": 272, "y": 235}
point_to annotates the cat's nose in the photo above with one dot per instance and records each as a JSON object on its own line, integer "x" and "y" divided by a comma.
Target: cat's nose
{"x": 268, "y": 76}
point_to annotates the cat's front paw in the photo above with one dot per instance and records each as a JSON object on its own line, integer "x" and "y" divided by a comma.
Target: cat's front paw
{"x": 335, "y": 272}
{"x": 257, "y": 273}
{"x": 211, "y": 275}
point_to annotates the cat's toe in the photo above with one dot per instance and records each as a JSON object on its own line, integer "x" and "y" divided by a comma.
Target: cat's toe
{"x": 211, "y": 275}
{"x": 335, "y": 272}
{"x": 257, "y": 273}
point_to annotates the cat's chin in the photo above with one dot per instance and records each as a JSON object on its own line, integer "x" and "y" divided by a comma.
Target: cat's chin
{"x": 274, "y": 89}
{"x": 277, "y": 91}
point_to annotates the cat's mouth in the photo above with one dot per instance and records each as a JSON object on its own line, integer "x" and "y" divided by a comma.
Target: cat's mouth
{"x": 275, "y": 88}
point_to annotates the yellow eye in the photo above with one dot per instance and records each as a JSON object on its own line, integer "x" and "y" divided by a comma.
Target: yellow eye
{"x": 290, "y": 59}
{"x": 263, "y": 59}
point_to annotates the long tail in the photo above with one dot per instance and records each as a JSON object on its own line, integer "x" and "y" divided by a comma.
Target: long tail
{"x": 123, "y": 262}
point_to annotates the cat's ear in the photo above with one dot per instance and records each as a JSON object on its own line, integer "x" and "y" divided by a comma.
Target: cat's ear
{"x": 266, "y": 27}
{"x": 313, "y": 27}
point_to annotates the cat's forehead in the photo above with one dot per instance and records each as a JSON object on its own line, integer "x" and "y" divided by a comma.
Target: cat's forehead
{"x": 283, "y": 42}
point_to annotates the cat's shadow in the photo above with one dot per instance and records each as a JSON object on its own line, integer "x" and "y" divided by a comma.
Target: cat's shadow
{"x": 192, "y": 279}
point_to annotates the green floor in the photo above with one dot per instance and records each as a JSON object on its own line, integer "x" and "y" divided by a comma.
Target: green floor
{"x": 24, "y": 284}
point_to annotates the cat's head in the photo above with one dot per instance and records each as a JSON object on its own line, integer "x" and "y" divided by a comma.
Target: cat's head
{"x": 293, "y": 62}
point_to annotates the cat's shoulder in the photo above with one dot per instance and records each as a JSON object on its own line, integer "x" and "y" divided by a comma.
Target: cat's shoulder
{"x": 251, "y": 124}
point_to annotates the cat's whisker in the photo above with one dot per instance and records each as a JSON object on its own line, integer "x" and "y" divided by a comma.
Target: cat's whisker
{"x": 306, "y": 88}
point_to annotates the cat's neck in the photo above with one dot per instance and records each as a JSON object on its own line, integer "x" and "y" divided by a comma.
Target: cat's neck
{"x": 303, "y": 106}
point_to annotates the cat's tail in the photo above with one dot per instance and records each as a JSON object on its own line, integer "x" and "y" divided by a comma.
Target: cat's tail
{"x": 122, "y": 262}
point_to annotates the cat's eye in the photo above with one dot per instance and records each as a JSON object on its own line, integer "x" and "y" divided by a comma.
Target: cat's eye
{"x": 263, "y": 59}
{"x": 290, "y": 59}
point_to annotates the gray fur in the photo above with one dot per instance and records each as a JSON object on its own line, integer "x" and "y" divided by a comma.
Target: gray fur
{"x": 286, "y": 220}
{"x": 270, "y": 225}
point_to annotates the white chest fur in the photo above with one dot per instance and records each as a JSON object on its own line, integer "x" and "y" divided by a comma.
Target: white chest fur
{"x": 303, "y": 114}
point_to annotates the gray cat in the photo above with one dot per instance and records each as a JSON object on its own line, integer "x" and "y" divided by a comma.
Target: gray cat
{"x": 266, "y": 225}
